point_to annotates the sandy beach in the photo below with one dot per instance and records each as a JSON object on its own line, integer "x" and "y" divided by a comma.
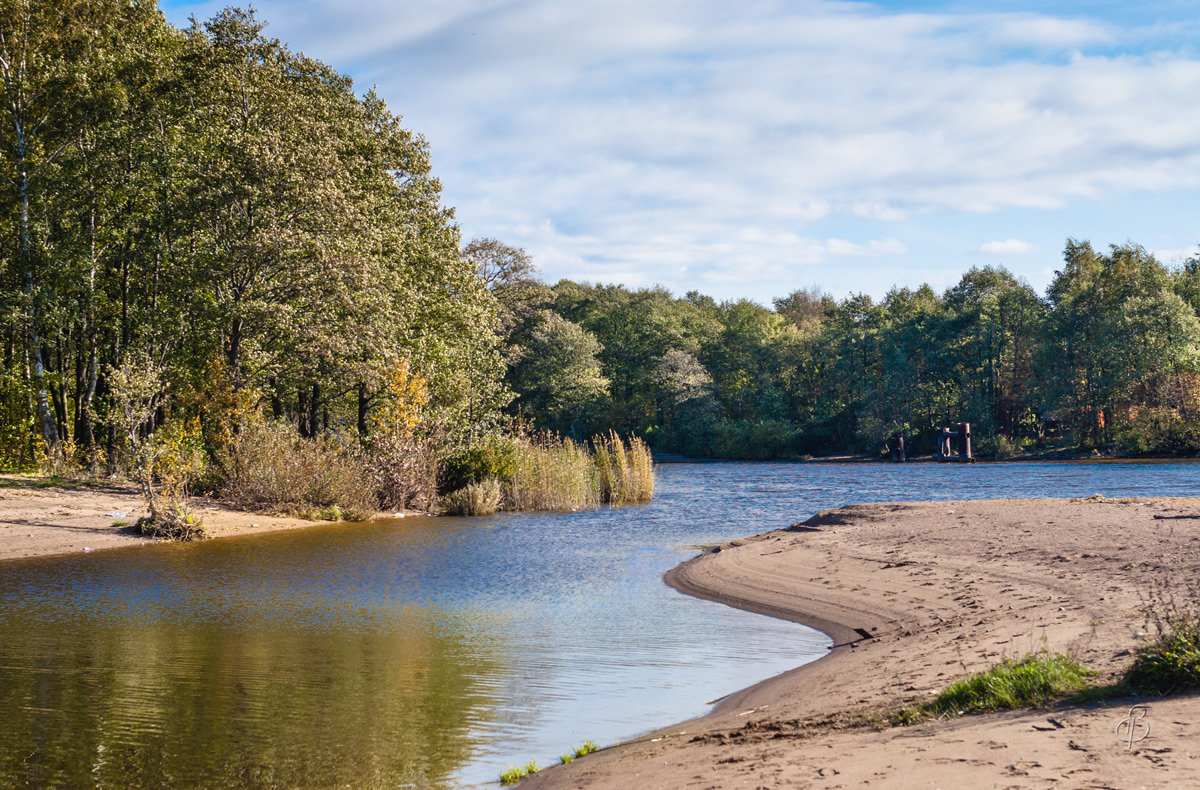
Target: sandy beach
{"x": 38, "y": 519}
{"x": 942, "y": 589}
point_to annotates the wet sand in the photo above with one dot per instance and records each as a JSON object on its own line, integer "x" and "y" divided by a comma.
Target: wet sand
{"x": 941, "y": 590}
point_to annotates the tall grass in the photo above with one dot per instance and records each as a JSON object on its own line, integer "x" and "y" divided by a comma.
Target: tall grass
{"x": 556, "y": 473}
{"x": 625, "y": 472}
{"x": 551, "y": 474}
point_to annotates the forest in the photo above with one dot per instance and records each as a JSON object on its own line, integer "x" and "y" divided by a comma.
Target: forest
{"x": 224, "y": 269}
{"x": 1106, "y": 360}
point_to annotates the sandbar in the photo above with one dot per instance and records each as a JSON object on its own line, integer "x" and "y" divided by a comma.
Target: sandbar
{"x": 38, "y": 518}
{"x": 916, "y": 595}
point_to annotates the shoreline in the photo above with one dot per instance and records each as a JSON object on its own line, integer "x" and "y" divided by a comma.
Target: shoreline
{"x": 944, "y": 589}
{"x": 39, "y": 518}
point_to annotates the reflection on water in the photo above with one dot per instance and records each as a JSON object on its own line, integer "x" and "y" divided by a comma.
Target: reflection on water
{"x": 422, "y": 652}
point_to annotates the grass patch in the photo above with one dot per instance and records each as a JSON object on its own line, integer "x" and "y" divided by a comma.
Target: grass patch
{"x": 582, "y": 750}
{"x": 512, "y": 776}
{"x": 1033, "y": 681}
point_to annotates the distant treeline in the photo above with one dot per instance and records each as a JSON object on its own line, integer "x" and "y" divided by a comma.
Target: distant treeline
{"x": 1107, "y": 358}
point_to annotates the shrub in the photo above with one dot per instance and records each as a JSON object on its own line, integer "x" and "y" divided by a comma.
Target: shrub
{"x": 173, "y": 522}
{"x": 1169, "y": 664}
{"x": 402, "y": 470}
{"x": 995, "y": 446}
{"x": 493, "y": 456}
{"x": 268, "y": 466}
{"x": 1159, "y": 431}
{"x": 402, "y": 453}
{"x": 475, "y": 499}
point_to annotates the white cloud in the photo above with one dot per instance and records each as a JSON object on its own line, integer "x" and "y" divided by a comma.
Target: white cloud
{"x": 1009, "y": 247}
{"x": 1175, "y": 257}
{"x": 633, "y": 138}
{"x": 872, "y": 249}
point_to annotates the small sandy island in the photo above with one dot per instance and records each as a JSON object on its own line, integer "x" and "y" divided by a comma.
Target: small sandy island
{"x": 943, "y": 589}
{"x": 39, "y": 518}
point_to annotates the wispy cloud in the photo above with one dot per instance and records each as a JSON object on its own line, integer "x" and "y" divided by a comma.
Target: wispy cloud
{"x": 1009, "y": 247}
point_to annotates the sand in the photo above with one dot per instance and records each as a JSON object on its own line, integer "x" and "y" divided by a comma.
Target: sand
{"x": 37, "y": 519}
{"x": 943, "y": 589}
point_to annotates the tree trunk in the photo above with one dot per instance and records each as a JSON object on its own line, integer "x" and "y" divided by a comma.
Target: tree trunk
{"x": 363, "y": 406}
{"x": 32, "y": 335}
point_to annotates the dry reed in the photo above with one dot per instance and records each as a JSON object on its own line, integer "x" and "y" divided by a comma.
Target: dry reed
{"x": 476, "y": 499}
{"x": 560, "y": 474}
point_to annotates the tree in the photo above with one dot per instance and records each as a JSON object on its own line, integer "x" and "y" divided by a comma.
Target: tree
{"x": 60, "y": 65}
{"x": 561, "y": 376}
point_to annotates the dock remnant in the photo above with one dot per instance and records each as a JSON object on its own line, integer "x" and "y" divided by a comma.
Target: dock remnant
{"x": 961, "y": 437}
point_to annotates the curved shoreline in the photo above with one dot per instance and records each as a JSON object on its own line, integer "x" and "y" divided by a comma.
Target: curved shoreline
{"x": 944, "y": 589}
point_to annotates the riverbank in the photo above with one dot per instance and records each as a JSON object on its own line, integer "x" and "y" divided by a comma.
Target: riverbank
{"x": 40, "y": 517}
{"x": 943, "y": 589}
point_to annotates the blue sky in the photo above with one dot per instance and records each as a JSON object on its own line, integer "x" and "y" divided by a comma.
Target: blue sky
{"x": 748, "y": 149}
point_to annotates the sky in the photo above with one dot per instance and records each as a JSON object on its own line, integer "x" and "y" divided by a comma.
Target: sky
{"x": 747, "y": 149}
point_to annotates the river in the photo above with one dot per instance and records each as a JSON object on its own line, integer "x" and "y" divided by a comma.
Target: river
{"x": 425, "y": 652}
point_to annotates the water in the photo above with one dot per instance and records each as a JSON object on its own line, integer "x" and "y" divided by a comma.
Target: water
{"x": 424, "y": 652}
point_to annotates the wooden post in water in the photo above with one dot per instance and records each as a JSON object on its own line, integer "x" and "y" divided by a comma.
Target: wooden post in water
{"x": 964, "y": 441}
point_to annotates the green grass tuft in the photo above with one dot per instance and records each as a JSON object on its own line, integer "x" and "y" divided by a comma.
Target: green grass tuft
{"x": 514, "y": 775}
{"x": 1035, "y": 680}
{"x": 586, "y": 748}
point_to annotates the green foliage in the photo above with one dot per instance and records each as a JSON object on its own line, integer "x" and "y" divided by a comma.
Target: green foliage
{"x": 586, "y": 748}
{"x": 1169, "y": 664}
{"x": 493, "y": 456}
{"x": 582, "y": 750}
{"x": 235, "y": 209}
{"x": 1037, "y": 679}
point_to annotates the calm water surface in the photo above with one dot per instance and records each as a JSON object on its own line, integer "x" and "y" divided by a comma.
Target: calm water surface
{"x": 424, "y": 652}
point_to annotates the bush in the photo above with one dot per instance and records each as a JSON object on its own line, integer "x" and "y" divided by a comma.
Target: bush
{"x": 403, "y": 470}
{"x": 754, "y": 439}
{"x": 268, "y": 466}
{"x": 1171, "y": 663}
{"x": 493, "y": 456}
{"x": 475, "y": 499}
{"x": 1159, "y": 431}
{"x": 174, "y": 522}
{"x": 995, "y": 446}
